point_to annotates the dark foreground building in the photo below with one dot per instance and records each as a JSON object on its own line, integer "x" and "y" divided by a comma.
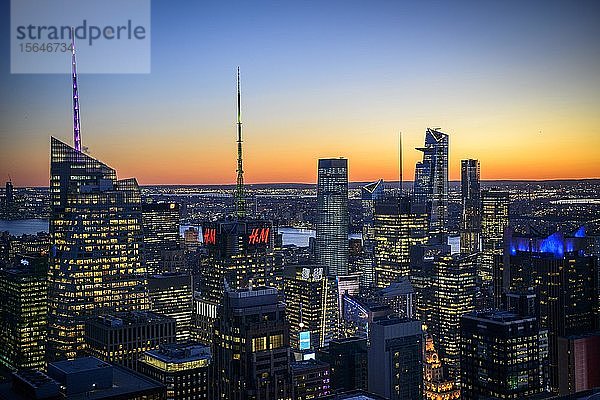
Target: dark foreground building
{"x": 252, "y": 346}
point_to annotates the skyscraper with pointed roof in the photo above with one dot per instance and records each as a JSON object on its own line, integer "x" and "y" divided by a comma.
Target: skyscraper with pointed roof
{"x": 431, "y": 179}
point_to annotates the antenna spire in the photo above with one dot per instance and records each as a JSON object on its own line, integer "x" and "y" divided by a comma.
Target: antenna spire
{"x": 76, "y": 122}
{"x": 240, "y": 201}
{"x": 400, "y": 164}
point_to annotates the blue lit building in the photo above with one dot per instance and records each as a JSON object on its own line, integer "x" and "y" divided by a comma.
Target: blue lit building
{"x": 563, "y": 277}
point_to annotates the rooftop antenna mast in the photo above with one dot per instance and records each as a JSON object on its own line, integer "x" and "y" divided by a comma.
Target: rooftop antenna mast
{"x": 240, "y": 201}
{"x": 400, "y": 166}
{"x": 76, "y": 121}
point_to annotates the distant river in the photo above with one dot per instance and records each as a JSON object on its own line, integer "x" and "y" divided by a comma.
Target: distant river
{"x": 24, "y": 226}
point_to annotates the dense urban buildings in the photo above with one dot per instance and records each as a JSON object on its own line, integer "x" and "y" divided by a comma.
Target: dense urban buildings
{"x": 310, "y": 379}
{"x": 431, "y": 179}
{"x": 96, "y": 236}
{"x": 331, "y": 245}
{"x": 348, "y": 361}
{"x": 435, "y": 384}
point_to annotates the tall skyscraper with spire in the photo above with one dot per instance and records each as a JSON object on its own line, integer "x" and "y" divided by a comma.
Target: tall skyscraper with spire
{"x": 76, "y": 119}
{"x": 240, "y": 251}
{"x": 431, "y": 179}
{"x": 96, "y": 237}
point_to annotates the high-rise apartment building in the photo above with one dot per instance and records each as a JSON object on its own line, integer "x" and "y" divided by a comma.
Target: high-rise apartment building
{"x": 494, "y": 220}
{"x": 398, "y": 225}
{"x": 396, "y": 359}
{"x": 431, "y": 179}
{"x": 96, "y": 238}
{"x": 470, "y": 189}
{"x": 331, "y": 244}
{"x": 251, "y": 349}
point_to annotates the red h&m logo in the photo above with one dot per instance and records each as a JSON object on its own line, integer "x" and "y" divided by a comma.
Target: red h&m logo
{"x": 210, "y": 236}
{"x": 259, "y": 235}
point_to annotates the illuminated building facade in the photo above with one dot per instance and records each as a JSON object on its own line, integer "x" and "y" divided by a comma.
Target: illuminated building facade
{"x": 252, "y": 346}
{"x": 170, "y": 294}
{"x": 396, "y": 359}
{"x": 431, "y": 179}
{"x": 96, "y": 237}
{"x": 240, "y": 254}
{"x": 121, "y": 338}
{"x": 398, "y": 225}
{"x": 23, "y": 313}
{"x": 470, "y": 189}
{"x": 494, "y": 220}
{"x": 184, "y": 368}
{"x": 564, "y": 279}
{"x": 400, "y": 297}
{"x": 311, "y": 306}
{"x": 501, "y": 356}
{"x": 310, "y": 379}
{"x": 370, "y": 193}
{"x": 436, "y": 386}
{"x": 453, "y": 296}
{"x": 331, "y": 243}
{"x": 160, "y": 225}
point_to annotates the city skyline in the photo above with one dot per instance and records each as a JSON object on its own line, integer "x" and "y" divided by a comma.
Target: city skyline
{"x": 514, "y": 99}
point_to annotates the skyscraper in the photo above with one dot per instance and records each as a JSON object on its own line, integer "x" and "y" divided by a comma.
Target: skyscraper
{"x": 170, "y": 294}
{"x": 370, "y": 193}
{"x": 96, "y": 237}
{"x": 502, "y": 356}
{"x": 398, "y": 225}
{"x": 453, "y": 296}
{"x": 160, "y": 224}
{"x": 23, "y": 313}
{"x": 471, "y": 205}
{"x": 431, "y": 179}
{"x": 564, "y": 279}
{"x": 396, "y": 359}
{"x": 311, "y": 306}
{"x": 331, "y": 245}
{"x": 240, "y": 252}
{"x": 252, "y": 346}
{"x": 494, "y": 219}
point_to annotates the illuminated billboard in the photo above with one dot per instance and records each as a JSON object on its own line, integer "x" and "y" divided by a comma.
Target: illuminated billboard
{"x": 305, "y": 340}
